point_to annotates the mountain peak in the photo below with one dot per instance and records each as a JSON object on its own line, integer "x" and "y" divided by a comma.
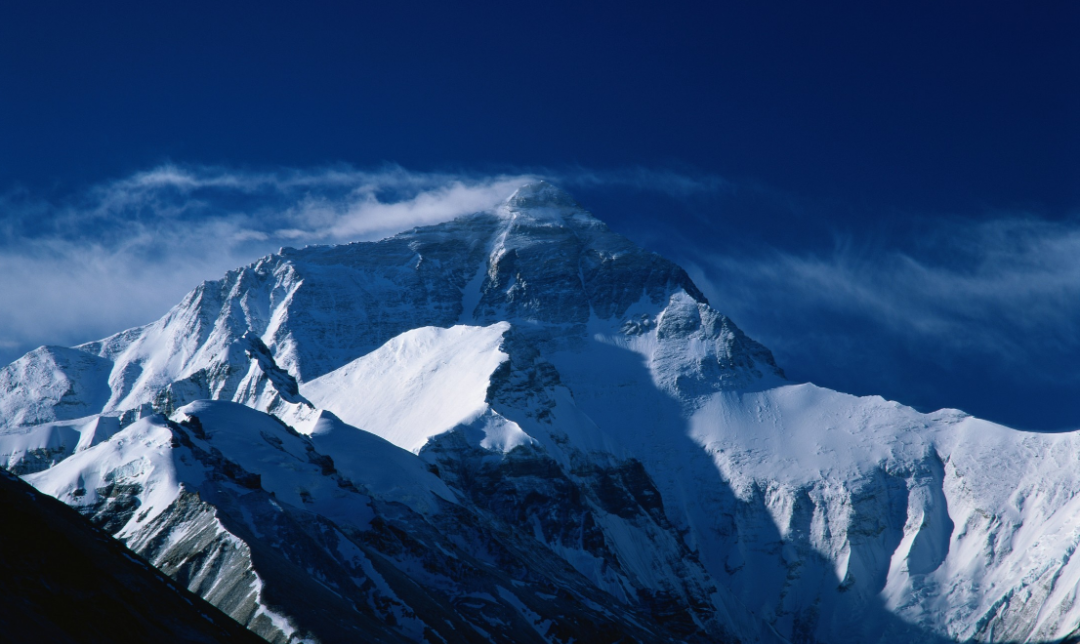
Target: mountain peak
{"x": 540, "y": 202}
{"x": 540, "y": 194}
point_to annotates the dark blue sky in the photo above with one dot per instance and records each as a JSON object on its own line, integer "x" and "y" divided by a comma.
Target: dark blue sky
{"x": 898, "y": 149}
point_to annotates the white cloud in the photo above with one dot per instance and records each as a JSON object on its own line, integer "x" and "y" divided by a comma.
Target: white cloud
{"x": 363, "y": 213}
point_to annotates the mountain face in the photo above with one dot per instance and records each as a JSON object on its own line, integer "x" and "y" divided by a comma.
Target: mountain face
{"x": 64, "y": 581}
{"x": 518, "y": 426}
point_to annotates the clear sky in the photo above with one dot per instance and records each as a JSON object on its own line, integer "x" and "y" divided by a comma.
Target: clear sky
{"x": 886, "y": 194}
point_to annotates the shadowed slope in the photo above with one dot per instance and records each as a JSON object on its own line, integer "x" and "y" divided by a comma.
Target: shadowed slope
{"x": 64, "y": 581}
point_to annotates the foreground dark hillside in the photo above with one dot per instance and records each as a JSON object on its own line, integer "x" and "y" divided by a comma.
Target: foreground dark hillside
{"x": 64, "y": 581}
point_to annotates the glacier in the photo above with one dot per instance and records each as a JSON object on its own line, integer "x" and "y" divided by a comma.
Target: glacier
{"x": 519, "y": 426}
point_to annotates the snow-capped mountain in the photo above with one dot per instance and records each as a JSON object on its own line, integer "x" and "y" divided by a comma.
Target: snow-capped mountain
{"x": 518, "y": 426}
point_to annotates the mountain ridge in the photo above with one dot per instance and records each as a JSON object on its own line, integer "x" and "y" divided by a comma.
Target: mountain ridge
{"x": 66, "y": 582}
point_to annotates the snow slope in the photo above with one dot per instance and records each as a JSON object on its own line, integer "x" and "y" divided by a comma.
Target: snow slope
{"x": 419, "y": 384}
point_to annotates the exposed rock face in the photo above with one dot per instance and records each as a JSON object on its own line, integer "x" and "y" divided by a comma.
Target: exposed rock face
{"x": 518, "y": 426}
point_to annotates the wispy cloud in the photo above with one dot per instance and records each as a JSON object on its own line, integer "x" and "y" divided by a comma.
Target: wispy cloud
{"x": 327, "y": 205}
{"x": 1007, "y": 287}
